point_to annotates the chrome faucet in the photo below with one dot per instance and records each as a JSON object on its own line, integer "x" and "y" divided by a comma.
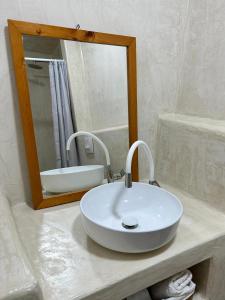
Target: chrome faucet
{"x": 128, "y": 175}
{"x": 109, "y": 174}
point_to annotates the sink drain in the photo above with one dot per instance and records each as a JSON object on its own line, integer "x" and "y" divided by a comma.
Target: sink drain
{"x": 129, "y": 222}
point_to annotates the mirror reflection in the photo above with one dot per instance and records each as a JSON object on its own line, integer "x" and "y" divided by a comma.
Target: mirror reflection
{"x": 77, "y": 87}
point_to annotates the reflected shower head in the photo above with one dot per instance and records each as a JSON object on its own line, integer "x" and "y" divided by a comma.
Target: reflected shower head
{"x": 35, "y": 66}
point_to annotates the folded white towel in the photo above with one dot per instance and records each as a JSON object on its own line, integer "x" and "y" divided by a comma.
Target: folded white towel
{"x": 177, "y": 287}
{"x": 142, "y": 295}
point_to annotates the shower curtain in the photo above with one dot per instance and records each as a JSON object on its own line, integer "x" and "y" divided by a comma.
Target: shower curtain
{"x": 63, "y": 122}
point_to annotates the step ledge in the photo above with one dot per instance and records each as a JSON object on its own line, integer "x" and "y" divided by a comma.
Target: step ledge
{"x": 206, "y": 125}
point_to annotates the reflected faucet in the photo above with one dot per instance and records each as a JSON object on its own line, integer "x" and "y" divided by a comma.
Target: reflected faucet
{"x": 79, "y": 133}
{"x": 128, "y": 176}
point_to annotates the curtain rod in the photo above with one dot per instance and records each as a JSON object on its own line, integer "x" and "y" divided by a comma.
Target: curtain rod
{"x": 42, "y": 59}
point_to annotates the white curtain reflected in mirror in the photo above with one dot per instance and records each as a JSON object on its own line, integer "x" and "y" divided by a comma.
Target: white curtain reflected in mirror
{"x": 77, "y": 86}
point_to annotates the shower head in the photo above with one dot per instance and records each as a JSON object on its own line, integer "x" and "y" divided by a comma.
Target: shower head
{"x": 35, "y": 66}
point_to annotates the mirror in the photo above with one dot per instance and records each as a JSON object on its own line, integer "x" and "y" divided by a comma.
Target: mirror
{"x": 77, "y": 85}
{"x": 74, "y": 87}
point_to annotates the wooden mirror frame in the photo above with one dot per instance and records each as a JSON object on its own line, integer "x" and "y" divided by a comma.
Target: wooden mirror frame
{"x": 16, "y": 31}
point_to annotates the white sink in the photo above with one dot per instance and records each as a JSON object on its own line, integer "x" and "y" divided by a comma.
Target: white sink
{"x": 133, "y": 220}
{"x": 72, "y": 178}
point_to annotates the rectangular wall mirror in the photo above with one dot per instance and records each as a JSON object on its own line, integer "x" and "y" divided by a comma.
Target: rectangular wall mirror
{"x": 74, "y": 81}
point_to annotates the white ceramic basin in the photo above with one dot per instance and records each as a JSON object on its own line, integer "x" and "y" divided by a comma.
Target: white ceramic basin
{"x": 72, "y": 178}
{"x": 152, "y": 213}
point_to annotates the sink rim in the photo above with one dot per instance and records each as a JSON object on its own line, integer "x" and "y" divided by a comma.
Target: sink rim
{"x": 80, "y": 169}
{"x": 124, "y": 230}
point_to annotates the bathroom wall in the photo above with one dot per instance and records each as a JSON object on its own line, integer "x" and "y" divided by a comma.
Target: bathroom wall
{"x": 158, "y": 25}
{"x": 98, "y": 83}
{"x": 40, "y": 95}
{"x": 202, "y": 82}
{"x": 117, "y": 142}
{"x": 191, "y": 143}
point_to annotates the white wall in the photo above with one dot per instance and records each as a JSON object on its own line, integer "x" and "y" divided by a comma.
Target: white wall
{"x": 158, "y": 26}
{"x": 191, "y": 149}
{"x": 202, "y": 84}
{"x": 117, "y": 142}
{"x": 40, "y": 95}
{"x": 98, "y": 82}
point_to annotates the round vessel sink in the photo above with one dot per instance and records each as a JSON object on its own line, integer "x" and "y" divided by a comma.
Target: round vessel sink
{"x": 72, "y": 178}
{"x": 132, "y": 220}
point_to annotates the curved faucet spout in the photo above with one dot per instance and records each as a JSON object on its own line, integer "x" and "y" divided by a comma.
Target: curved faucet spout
{"x": 80, "y": 133}
{"x": 128, "y": 178}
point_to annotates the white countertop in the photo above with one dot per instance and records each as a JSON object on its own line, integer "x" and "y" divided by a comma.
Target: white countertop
{"x": 69, "y": 265}
{"x": 17, "y": 280}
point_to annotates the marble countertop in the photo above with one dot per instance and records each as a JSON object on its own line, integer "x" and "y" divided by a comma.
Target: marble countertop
{"x": 69, "y": 265}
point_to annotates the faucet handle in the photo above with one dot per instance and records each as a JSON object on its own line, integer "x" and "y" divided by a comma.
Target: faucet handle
{"x": 154, "y": 182}
{"x": 122, "y": 173}
{"x": 119, "y": 175}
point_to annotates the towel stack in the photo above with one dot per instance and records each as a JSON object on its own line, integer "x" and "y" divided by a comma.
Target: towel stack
{"x": 177, "y": 287}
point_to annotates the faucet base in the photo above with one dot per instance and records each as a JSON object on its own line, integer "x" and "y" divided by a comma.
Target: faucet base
{"x": 128, "y": 180}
